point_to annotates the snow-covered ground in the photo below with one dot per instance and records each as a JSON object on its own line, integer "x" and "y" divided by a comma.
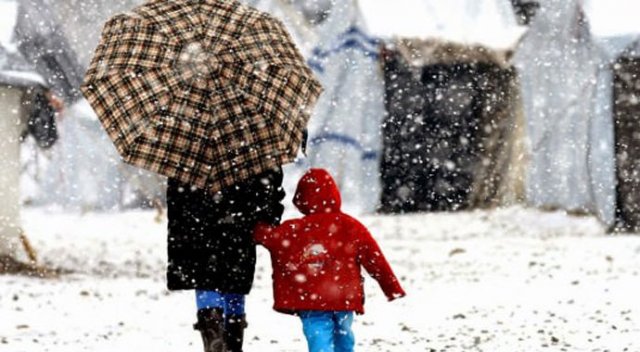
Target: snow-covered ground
{"x": 507, "y": 280}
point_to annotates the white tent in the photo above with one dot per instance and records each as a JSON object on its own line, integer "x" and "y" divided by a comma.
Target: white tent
{"x": 487, "y": 23}
{"x": 344, "y": 132}
{"x": 294, "y": 18}
{"x": 11, "y": 125}
{"x": 15, "y": 70}
{"x": 613, "y": 18}
{"x": 16, "y": 76}
{"x": 567, "y": 93}
{"x": 565, "y": 63}
{"x": 8, "y": 13}
{"x": 614, "y": 26}
{"x": 617, "y": 34}
{"x": 490, "y": 23}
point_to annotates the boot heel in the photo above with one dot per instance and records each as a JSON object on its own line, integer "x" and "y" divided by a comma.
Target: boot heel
{"x": 211, "y": 326}
{"x": 234, "y": 332}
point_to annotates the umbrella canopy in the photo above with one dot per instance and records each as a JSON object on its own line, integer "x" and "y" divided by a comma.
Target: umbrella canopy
{"x": 209, "y": 92}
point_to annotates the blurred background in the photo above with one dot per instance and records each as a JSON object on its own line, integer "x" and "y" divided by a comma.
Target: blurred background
{"x": 430, "y": 105}
{"x": 491, "y": 146}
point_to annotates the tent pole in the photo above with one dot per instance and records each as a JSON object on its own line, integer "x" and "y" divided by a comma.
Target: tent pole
{"x": 28, "y": 248}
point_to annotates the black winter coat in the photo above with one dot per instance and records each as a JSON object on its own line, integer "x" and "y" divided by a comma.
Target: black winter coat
{"x": 210, "y": 244}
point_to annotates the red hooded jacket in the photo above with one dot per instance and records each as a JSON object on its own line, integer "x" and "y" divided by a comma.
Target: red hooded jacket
{"x": 317, "y": 259}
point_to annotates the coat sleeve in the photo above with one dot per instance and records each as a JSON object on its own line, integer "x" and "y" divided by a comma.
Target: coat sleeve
{"x": 371, "y": 258}
{"x": 269, "y": 199}
{"x": 265, "y": 235}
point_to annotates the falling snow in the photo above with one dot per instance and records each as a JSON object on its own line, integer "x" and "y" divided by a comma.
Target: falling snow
{"x": 489, "y": 145}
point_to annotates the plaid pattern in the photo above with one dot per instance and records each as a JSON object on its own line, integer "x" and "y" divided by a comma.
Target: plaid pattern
{"x": 209, "y": 92}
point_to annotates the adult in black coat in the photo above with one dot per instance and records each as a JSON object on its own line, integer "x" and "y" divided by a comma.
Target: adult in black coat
{"x": 211, "y": 246}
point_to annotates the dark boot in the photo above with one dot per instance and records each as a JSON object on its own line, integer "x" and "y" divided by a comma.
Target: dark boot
{"x": 211, "y": 326}
{"x": 234, "y": 332}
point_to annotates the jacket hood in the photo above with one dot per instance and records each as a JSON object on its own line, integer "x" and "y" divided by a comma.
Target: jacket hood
{"x": 317, "y": 192}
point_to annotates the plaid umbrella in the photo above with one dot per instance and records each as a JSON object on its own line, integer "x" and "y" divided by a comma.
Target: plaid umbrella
{"x": 209, "y": 92}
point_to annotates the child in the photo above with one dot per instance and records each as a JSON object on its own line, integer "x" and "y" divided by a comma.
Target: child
{"x": 316, "y": 264}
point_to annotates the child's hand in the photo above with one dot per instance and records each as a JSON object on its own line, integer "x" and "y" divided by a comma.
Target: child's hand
{"x": 56, "y": 103}
{"x": 396, "y": 295}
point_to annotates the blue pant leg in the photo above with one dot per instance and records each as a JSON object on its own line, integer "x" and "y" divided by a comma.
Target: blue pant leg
{"x": 209, "y": 299}
{"x": 343, "y": 335}
{"x": 318, "y": 329}
{"x": 233, "y": 304}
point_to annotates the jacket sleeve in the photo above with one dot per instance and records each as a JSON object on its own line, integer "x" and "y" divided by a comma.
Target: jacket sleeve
{"x": 265, "y": 235}
{"x": 371, "y": 258}
{"x": 269, "y": 201}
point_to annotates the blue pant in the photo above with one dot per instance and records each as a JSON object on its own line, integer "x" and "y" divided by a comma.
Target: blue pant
{"x": 328, "y": 331}
{"x": 230, "y": 303}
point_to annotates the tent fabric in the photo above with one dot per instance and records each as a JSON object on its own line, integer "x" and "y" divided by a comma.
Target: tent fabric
{"x": 11, "y": 125}
{"x": 433, "y": 52}
{"x": 612, "y": 18}
{"x": 34, "y": 50}
{"x": 17, "y": 74}
{"x": 20, "y": 79}
{"x": 91, "y": 179}
{"x": 601, "y": 149}
{"x": 633, "y": 50}
{"x": 626, "y": 97}
{"x": 489, "y": 23}
{"x": 448, "y": 135}
{"x": 294, "y": 19}
{"x": 344, "y": 132}
{"x": 352, "y": 39}
{"x": 84, "y": 20}
{"x": 9, "y": 11}
{"x": 611, "y": 48}
{"x": 42, "y": 41}
{"x": 559, "y": 99}
{"x": 15, "y": 70}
